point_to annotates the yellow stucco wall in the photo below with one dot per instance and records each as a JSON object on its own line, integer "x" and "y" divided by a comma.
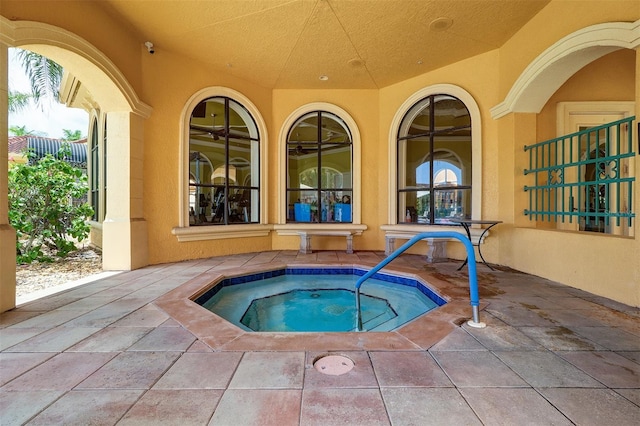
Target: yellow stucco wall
{"x": 167, "y": 89}
{"x": 610, "y": 78}
{"x": 87, "y": 19}
{"x": 557, "y": 20}
{"x": 602, "y": 265}
{"x": 481, "y": 84}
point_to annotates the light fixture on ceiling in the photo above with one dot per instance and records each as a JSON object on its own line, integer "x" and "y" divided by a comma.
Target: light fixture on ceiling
{"x": 440, "y": 24}
{"x": 150, "y": 47}
{"x": 355, "y": 62}
{"x": 324, "y": 77}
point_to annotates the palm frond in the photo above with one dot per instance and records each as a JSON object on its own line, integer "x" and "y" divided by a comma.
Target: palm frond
{"x": 44, "y": 75}
{"x": 18, "y": 101}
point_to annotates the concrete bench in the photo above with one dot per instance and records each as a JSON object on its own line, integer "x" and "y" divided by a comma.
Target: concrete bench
{"x": 437, "y": 251}
{"x": 305, "y": 238}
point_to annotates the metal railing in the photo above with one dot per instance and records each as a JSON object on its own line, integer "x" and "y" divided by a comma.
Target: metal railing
{"x": 471, "y": 264}
{"x": 584, "y": 176}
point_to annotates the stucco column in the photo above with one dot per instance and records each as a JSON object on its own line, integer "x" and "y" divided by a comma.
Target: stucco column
{"x": 7, "y": 233}
{"x": 124, "y": 228}
{"x": 521, "y": 132}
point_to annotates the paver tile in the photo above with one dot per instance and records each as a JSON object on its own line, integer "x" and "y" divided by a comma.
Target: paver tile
{"x": 343, "y": 406}
{"x": 55, "y": 340}
{"x": 593, "y": 406}
{"x": 147, "y": 316}
{"x": 428, "y": 406}
{"x": 545, "y": 369}
{"x": 12, "y": 336}
{"x": 404, "y": 369}
{"x": 609, "y": 368}
{"x": 130, "y": 370}
{"x": 512, "y": 406}
{"x": 50, "y": 319}
{"x": 458, "y": 340}
{"x": 14, "y": 364}
{"x": 206, "y": 370}
{"x": 259, "y": 370}
{"x": 475, "y": 368}
{"x": 17, "y": 407}
{"x": 259, "y": 407}
{"x": 174, "y": 407}
{"x": 613, "y": 338}
{"x": 559, "y": 338}
{"x": 62, "y": 372}
{"x": 111, "y": 339}
{"x": 106, "y": 407}
{"x": 165, "y": 339}
{"x": 503, "y": 338}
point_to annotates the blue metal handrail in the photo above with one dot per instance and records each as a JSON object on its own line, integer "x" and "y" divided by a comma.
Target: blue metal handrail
{"x": 473, "y": 277}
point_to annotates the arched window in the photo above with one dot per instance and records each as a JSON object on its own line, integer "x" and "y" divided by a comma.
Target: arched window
{"x": 94, "y": 180}
{"x": 434, "y": 152}
{"x": 104, "y": 162}
{"x": 224, "y": 164}
{"x": 319, "y": 169}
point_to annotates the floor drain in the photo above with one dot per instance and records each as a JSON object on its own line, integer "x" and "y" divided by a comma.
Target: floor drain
{"x": 333, "y": 365}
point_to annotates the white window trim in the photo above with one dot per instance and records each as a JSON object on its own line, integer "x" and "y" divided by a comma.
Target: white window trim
{"x": 591, "y": 113}
{"x": 590, "y": 108}
{"x": 476, "y": 153}
{"x": 282, "y": 226}
{"x": 183, "y": 231}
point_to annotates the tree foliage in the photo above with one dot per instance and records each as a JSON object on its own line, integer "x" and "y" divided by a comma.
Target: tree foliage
{"x": 18, "y": 101}
{"x": 42, "y": 207}
{"x": 23, "y": 131}
{"x": 71, "y": 135}
{"x": 44, "y": 75}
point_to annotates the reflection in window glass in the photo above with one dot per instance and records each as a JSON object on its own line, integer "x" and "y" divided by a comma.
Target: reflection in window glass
{"x": 224, "y": 185}
{"x": 434, "y": 162}
{"x": 319, "y": 169}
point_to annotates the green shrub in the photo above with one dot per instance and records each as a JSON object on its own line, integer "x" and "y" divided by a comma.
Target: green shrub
{"x": 41, "y": 207}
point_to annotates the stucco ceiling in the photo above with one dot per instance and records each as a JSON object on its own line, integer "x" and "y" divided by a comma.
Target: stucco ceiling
{"x": 357, "y": 44}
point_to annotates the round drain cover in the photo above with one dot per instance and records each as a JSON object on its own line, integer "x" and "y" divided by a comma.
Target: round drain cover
{"x": 333, "y": 365}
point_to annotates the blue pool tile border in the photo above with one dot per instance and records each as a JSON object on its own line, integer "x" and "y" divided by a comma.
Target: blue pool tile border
{"x": 411, "y": 282}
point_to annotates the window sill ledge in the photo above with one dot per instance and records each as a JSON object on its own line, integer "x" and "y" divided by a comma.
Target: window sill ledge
{"x": 220, "y": 232}
{"x": 412, "y": 230}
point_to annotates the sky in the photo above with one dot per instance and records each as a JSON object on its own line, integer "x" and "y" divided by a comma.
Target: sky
{"x": 53, "y": 118}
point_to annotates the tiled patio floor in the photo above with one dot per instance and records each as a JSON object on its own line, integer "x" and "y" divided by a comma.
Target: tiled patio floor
{"x": 108, "y": 352}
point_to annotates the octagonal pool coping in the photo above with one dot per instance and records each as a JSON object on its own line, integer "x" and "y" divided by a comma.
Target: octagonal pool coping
{"x": 220, "y": 335}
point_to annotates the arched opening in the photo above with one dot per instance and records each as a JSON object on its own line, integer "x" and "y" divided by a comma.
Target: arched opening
{"x": 124, "y": 239}
{"x": 558, "y": 63}
{"x": 408, "y": 125}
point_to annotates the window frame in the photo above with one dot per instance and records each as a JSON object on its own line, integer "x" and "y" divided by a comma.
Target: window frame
{"x": 476, "y": 152}
{"x": 94, "y": 172}
{"x": 566, "y": 210}
{"x": 185, "y": 232}
{"x": 97, "y": 166}
{"x": 287, "y": 125}
{"x": 403, "y": 138}
{"x": 321, "y": 115}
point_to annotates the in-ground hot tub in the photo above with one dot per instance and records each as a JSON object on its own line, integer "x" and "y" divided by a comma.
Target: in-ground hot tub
{"x": 318, "y": 300}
